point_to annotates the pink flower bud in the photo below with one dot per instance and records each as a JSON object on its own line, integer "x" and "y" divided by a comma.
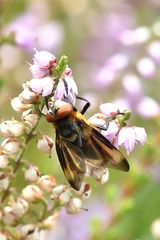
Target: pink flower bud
{"x": 12, "y": 128}
{"x": 32, "y": 193}
{"x": 30, "y": 118}
{"x": 50, "y": 221}
{"x": 4, "y": 181}
{"x": 10, "y": 146}
{"x": 108, "y": 109}
{"x": 18, "y": 106}
{"x": 47, "y": 183}
{"x": 45, "y": 144}
{"x": 20, "y": 207}
{"x": 42, "y": 86}
{"x": 38, "y": 72}
{"x": 8, "y": 216}
{"x": 3, "y": 160}
{"x": 68, "y": 72}
{"x": 44, "y": 59}
{"x": 27, "y": 96}
{"x": 74, "y": 206}
{"x": 32, "y": 173}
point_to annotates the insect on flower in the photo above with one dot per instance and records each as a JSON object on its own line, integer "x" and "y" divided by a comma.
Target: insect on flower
{"x": 78, "y": 142}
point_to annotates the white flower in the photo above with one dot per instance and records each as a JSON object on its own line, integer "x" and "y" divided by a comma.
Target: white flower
{"x": 45, "y": 144}
{"x": 10, "y": 146}
{"x": 32, "y": 173}
{"x": 18, "y": 106}
{"x": 47, "y": 183}
{"x": 32, "y": 193}
{"x": 27, "y": 96}
{"x": 12, "y": 128}
{"x": 74, "y": 206}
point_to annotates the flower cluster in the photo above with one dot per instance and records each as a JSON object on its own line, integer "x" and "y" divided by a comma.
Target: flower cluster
{"x": 132, "y": 67}
{"x": 41, "y": 198}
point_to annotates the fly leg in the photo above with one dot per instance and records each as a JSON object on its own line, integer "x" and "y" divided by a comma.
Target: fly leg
{"x": 86, "y": 106}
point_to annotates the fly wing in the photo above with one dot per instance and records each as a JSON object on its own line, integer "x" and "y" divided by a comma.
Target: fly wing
{"x": 99, "y": 151}
{"x": 72, "y": 161}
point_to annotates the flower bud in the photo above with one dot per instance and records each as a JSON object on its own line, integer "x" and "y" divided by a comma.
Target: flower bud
{"x": 3, "y": 160}
{"x": 32, "y": 173}
{"x": 24, "y": 230}
{"x": 56, "y": 191}
{"x": 8, "y": 216}
{"x": 20, "y": 207}
{"x": 99, "y": 120}
{"x": 45, "y": 144}
{"x": 12, "y": 128}
{"x": 47, "y": 183}
{"x": 10, "y": 146}
{"x": 155, "y": 229}
{"x": 33, "y": 236}
{"x": 26, "y": 85}
{"x": 4, "y": 181}
{"x": 65, "y": 196}
{"x": 108, "y": 109}
{"x": 74, "y": 206}
{"x": 49, "y": 222}
{"x": 3, "y": 236}
{"x": 32, "y": 193}
{"x": 27, "y": 96}
{"x": 18, "y": 106}
{"x": 44, "y": 59}
{"x": 85, "y": 191}
{"x": 30, "y": 118}
{"x": 101, "y": 174}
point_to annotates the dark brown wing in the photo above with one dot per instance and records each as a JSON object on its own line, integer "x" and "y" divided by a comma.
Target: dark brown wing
{"x": 72, "y": 161}
{"x": 99, "y": 151}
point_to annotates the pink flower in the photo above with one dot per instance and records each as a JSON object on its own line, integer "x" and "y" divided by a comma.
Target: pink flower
{"x": 111, "y": 132}
{"x": 108, "y": 109}
{"x": 38, "y": 72}
{"x": 42, "y": 86}
{"x": 146, "y": 67}
{"x": 44, "y": 59}
{"x": 66, "y": 90}
{"x": 148, "y": 107}
{"x": 129, "y": 136}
